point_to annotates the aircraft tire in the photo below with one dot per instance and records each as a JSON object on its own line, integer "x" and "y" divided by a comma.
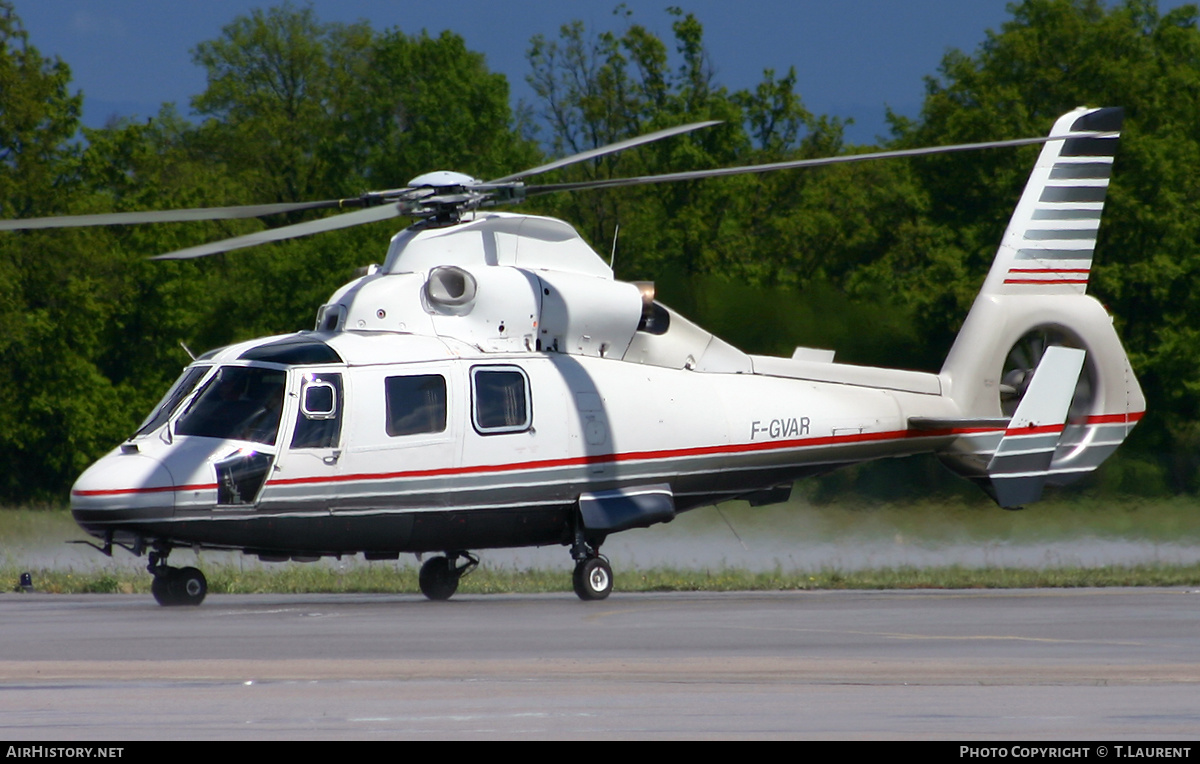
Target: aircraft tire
{"x": 438, "y": 579}
{"x": 160, "y": 589}
{"x": 593, "y": 579}
{"x": 187, "y": 586}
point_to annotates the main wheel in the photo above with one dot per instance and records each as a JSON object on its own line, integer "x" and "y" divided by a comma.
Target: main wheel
{"x": 160, "y": 589}
{"x": 187, "y": 586}
{"x": 438, "y": 579}
{"x": 593, "y": 579}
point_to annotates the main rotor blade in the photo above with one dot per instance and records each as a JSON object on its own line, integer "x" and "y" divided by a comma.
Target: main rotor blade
{"x": 332, "y": 223}
{"x": 611, "y": 148}
{"x": 535, "y": 190}
{"x": 172, "y": 216}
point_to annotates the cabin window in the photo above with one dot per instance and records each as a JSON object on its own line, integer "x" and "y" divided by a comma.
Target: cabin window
{"x": 237, "y": 403}
{"x": 415, "y": 404}
{"x": 501, "y": 397}
{"x": 319, "y": 421}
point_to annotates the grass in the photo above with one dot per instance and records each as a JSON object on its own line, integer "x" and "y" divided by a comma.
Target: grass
{"x": 1167, "y": 522}
{"x": 226, "y": 579}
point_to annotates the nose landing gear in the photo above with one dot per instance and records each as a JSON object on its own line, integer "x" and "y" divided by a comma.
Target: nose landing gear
{"x": 175, "y": 586}
{"x": 439, "y": 575}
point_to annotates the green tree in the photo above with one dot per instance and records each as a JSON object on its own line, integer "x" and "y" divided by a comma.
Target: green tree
{"x": 595, "y": 90}
{"x": 431, "y": 104}
{"x": 797, "y": 237}
{"x": 38, "y": 117}
{"x": 280, "y": 87}
{"x": 308, "y": 109}
{"x": 54, "y": 401}
{"x": 300, "y": 109}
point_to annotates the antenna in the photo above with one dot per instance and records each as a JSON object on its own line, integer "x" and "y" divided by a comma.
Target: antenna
{"x": 612, "y": 259}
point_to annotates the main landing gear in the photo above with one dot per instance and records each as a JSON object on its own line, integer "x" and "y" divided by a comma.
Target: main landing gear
{"x": 439, "y": 575}
{"x": 593, "y": 577}
{"x": 175, "y": 586}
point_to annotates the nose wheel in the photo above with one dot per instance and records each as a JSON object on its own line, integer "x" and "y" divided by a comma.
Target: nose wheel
{"x": 176, "y": 586}
{"x": 179, "y": 586}
{"x": 439, "y": 575}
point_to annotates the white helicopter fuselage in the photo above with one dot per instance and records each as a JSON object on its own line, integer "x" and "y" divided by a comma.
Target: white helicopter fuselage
{"x": 577, "y": 425}
{"x": 492, "y": 385}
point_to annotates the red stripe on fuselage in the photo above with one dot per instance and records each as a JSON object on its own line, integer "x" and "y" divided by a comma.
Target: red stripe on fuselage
{"x": 155, "y": 489}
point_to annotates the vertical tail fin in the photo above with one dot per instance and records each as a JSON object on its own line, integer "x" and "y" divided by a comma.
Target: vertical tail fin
{"x": 1035, "y": 298}
{"x": 1048, "y": 247}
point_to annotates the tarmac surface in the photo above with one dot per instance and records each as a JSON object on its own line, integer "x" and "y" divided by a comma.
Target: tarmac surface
{"x": 1085, "y": 664}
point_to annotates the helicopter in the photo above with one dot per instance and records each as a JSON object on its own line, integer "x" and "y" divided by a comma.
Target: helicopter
{"x": 491, "y": 384}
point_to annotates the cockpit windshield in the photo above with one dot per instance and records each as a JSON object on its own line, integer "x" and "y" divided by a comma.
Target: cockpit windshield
{"x": 180, "y": 390}
{"x": 237, "y": 403}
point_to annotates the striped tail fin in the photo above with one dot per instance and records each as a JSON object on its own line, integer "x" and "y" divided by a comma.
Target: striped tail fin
{"x": 1051, "y": 237}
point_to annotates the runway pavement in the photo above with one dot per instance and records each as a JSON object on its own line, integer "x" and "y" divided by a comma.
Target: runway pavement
{"x": 1096, "y": 664}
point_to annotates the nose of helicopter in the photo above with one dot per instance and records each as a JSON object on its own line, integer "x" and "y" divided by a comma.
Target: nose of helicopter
{"x": 123, "y": 485}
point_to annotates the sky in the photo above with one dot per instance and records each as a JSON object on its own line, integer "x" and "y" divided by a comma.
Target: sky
{"x": 853, "y": 58}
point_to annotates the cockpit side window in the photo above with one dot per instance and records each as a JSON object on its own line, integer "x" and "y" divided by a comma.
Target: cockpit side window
{"x": 181, "y": 389}
{"x": 237, "y": 403}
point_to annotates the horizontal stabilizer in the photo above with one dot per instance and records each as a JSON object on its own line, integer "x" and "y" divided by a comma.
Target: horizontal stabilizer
{"x": 1019, "y": 468}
